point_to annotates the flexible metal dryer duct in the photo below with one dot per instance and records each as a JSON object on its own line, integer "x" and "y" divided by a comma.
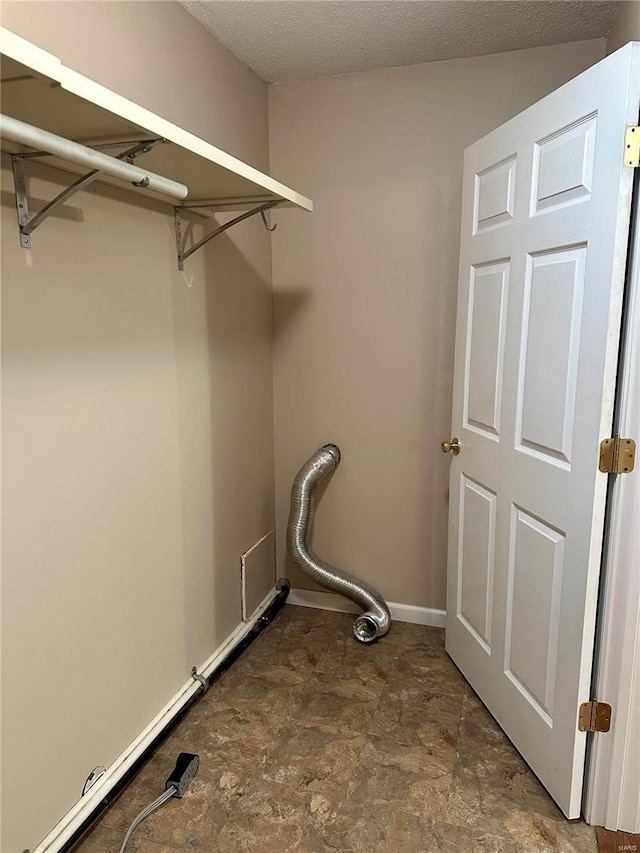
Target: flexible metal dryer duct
{"x": 376, "y": 619}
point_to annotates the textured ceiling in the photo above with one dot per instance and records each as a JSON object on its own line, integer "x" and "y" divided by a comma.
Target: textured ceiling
{"x": 300, "y": 39}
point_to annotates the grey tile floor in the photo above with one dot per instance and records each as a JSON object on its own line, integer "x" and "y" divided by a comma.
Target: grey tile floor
{"x": 311, "y": 743}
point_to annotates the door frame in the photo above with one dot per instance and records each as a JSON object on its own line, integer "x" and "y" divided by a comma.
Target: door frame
{"x": 612, "y": 791}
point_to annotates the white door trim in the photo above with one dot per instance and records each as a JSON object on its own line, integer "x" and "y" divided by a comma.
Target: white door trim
{"x": 613, "y": 781}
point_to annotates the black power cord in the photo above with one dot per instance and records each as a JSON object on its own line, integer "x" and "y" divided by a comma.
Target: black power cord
{"x": 175, "y": 786}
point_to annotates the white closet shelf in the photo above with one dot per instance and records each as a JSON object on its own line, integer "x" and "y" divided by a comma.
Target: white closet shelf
{"x": 38, "y": 89}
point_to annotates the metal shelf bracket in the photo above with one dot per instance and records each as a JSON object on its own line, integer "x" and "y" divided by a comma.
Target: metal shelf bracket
{"x": 265, "y": 222}
{"x": 183, "y": 253}
{"x": 27, "y": 224}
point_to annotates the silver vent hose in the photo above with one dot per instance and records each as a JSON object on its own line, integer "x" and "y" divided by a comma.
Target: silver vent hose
{"x": 376, "y": 620}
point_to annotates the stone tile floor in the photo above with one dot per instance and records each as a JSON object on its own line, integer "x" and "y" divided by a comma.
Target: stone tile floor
{"x": 312, "y": 742}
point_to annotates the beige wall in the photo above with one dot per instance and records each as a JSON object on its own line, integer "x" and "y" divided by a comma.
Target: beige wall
{"x": 137, "y": 433}
{"x": 626, "y": 26}
{"x": 365, "y": 294}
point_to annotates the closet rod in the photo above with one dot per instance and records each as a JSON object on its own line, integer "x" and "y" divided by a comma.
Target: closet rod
{"x": 26, "y": 134}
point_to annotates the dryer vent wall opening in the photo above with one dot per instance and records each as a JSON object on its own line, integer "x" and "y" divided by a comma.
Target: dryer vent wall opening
{"x": 376, "y": 619}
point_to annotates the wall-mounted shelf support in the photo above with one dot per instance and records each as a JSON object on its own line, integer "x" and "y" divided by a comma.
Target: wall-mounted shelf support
{"x": 38, "y": 87}
{"x": 26, "y": 223}
{"x": 184, "y": 254}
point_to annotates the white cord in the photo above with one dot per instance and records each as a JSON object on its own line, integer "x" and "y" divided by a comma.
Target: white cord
{"x": 166, "y": 795}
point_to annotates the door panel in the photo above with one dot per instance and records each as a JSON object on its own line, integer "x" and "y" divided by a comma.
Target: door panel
{"x": 536, "y": 562}
{"x": 494, "y": 195}
{"x": 550, "y": 338}
{"x": 477, "y": 557}
{"x": 485, "y": 347}
{"x": 545, "y": 220}
{"x": 563, "y": 166}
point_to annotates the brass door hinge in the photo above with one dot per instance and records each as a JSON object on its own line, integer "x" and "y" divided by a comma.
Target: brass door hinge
{"x": 594, "y": 716}
{"x": 632, "y": 146}
{"x": 617, "y": 455}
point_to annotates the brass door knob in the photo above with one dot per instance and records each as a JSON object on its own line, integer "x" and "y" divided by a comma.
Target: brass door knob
{"x": 452, "y": 446}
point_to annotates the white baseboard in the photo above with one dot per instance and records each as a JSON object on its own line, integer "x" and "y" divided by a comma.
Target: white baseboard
{"x": 399, "y": 612}
{"x": 418, "y": 615}
{"x": 76, "y": 816}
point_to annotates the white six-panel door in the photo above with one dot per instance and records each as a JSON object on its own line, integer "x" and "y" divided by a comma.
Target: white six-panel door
{"x": 545, "y": 222}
